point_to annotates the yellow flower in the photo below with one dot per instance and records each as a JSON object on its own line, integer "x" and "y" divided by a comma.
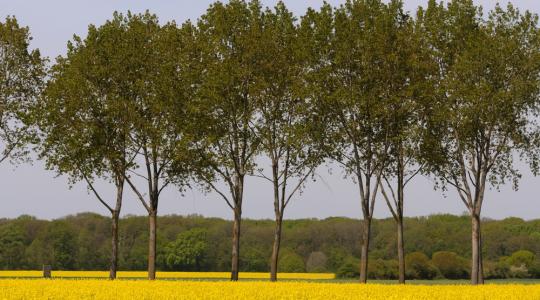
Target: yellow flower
{"x": 223, "y": 290}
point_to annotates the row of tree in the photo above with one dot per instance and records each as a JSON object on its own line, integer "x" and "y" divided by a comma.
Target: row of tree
{"x": 253, "y": 91}
{"x": 436, "y": 245}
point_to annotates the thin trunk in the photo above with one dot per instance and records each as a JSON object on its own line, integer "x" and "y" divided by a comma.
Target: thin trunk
{"x": 238, "y": 197}
{"x": 115, "y": 215}
{"x": 114, "y": 246}
{"x": 476, "y": 268}
{"x": 236, "y": 244}
{"x": 152, "y": 224}
{"x": 278, "y": 212}
{"x": 399, "y": 215}
{"x": 400, "y": 250}
{"x": 366, "y": 231}
{"x": 275, "y": 248}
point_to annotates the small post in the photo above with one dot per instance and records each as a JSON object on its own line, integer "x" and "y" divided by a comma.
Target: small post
{"x": 47, "y": 271}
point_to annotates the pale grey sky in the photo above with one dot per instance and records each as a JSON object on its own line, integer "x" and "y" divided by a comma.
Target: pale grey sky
{"x": 29, "y": 189}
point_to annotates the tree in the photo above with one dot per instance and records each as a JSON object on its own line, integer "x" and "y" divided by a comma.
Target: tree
{"x": 56, "y": 245}
{"x": 12, "y": 251}
{"x": 350, "y": 74}
{"x": 316, "y": 262}
{"x": 450, "y": 264}
{"x": 285, "y": 126}
{"x": 419, "y": 266}
{"x": 291, "y": 262}
{"x": 409, "y": 91}
{"x": 21, "y": 82}
{"x": 187, "y": 251}
{"x": 487, "y": 89}
{"x": 83, "y": 120}
{"x": 522, "y": 257}
{"x": 155, "y": 77}
{"x": 225, "y": 109}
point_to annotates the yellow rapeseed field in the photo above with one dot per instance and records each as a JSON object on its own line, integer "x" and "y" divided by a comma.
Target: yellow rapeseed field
{"x": 166, "y": 289}
{"x": 169, "y": 275}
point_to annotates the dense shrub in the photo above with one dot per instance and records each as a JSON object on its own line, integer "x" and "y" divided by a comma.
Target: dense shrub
{"x": 349, "y": 269}
{"x": 450, "y": 265}
{"x": 382, "y": 269}
{"x": 316, "y": 262}
{"x": 418, "y": 266}
{"x": 291, "y": 262}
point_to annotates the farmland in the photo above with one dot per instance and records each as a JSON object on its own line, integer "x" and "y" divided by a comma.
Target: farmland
{"x": 189, "y": 289}
{"x": 139, "y": 105}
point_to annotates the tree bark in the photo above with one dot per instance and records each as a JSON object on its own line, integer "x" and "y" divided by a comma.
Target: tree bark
{"x": 275, "y": 248}
{"x": 401, "y": 251}
{"x": 152, "y": 224}
{"x": 114, "y": 245}
{"x": 115, "y": 217}
{"x": 477, "y": 273}
{"x": 366, "y": 232}
{"x": 236, "y": 243}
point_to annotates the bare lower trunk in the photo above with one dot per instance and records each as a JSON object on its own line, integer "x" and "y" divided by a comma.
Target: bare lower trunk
{"x": 477, "y": 274}
{"x": 114, "y": 246}
{"x": 275, "y": 249}
{"x": 236, "y": 244}
{"x": 366, "y": 230}
{"x": 152, "y": 223}
{"x": 115, "y": 216}
{"x": 400, "y": 251}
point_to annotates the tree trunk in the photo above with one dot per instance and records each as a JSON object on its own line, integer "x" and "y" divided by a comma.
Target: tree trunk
{"x": 115, "y": 216}
{"x": 477, "y": 274}
{"x": 366, "y": 230}
{"x": 275, "y": 248}
{"x": 236, "y": 244}
{"x": 152, "y": 223}
{"x": 114, "y": 245}
{"x": 400, "y": 251}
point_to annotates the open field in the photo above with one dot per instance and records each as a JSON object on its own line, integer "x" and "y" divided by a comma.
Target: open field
{"x": 245, "y": 276}
{"x": 165, "y": 275}
{"x": 186, "y": 289}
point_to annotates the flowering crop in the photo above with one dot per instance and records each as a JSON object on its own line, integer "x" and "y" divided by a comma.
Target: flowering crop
{"x": 170, "y": 275}
{"x": 222, "y": 290}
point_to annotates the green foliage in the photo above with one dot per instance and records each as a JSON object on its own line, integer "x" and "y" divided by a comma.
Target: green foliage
{"x": 333, "y": 238}
{"x": 55, "y": 245}
{"x": 12, "y": 251}
{"x": 349, "y": 268}
{"x": 450, "y": 265}
{"x": 497, "y": 270}
{"x": 521, "y": 258}
{"x": 291, "y": 262}
{"x": 383, "y": 269}
{"x": 418, "y": 266}
{"x": 316, "y": 262}
{"x": 534, "y": 269}
{"x": 188, "y": 251}
{"x": 21, "y": 83}
{"x": 255, "y": 259}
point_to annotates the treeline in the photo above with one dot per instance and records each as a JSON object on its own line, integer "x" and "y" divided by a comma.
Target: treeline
{"x": 446, "y": 92}
{"x": 437, "y": 246}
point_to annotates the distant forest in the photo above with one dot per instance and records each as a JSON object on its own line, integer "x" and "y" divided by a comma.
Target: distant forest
{"x": 437, "y": 246}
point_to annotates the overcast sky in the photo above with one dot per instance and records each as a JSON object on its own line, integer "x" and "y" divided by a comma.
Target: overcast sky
{"x": 29, "y": 189}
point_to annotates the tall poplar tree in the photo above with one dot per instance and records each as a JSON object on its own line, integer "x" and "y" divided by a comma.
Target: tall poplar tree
{"x": 488, "y": 89}
{"x": 285, "y": 126}
{"x": 159, "y": 92}
{"x": 22, "y": 77}
{"x": 352, "y": 74}
{"x": 410, "y": 90}
{"x": 225, "y": 110}
{"x": 83, "y": 118}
